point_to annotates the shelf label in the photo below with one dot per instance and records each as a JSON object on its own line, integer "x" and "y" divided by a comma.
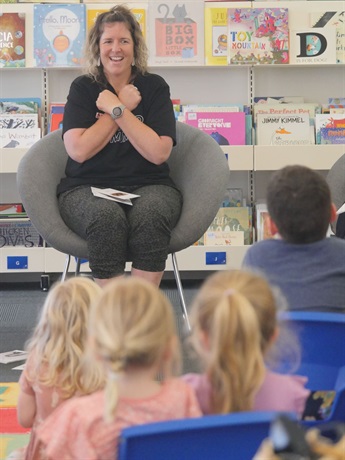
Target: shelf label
{"x": 17, "y": 262}
{"x": 215, "y": 258}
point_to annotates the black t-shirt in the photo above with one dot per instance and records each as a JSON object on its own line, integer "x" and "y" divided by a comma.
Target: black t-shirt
{"x": 118, "y": 164}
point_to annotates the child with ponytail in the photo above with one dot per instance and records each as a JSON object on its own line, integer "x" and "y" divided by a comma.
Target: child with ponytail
{"x": 56, "y": 369}
{"x": 132, "y": 332}
{"x": 234, "y": 324}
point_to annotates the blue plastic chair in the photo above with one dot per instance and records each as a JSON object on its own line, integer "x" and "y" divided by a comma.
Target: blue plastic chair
{"x": 322, "y": 340}
{"x": 220, "y": 437}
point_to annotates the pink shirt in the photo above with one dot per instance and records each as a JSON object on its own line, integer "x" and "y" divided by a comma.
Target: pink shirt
{"x": 77, "y": 429}
{"x": 46, "y": 399}
{"x": 286, "y": 393}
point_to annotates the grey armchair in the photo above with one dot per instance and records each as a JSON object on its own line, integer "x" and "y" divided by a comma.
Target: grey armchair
{"x": 198, "y": 167}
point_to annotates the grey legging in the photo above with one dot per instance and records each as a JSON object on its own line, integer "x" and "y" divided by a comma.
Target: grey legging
{"x": 116, "y": 233}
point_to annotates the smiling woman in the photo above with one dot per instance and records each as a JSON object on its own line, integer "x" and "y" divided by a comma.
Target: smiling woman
{"x": 118, "y": 129}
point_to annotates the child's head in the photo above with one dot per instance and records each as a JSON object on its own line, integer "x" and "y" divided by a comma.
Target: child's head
{"x": 234, "y": 320}
{"x": 299, "y": 204}
{"x": 132, "y": 327}
{"x": 59, "y": 339}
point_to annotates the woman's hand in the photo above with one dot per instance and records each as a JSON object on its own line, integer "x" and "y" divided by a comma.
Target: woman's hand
{"x": 130, "y": 97}
{"x": 106, "y": 101}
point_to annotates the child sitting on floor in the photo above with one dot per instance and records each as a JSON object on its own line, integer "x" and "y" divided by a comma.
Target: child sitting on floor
{"x": 234, "y": 324}
{"x": 55, "y": 369}
{"x": 133, "y": 333}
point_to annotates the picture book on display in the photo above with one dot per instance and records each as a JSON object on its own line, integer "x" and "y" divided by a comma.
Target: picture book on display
{"x": 19, "y": 233}
{"x": 334, "y": 19}
{"x": 15, "y": 105}
{"x": 216, "y": 35}
{"x": 12, "y": 40}
{"x": 226, "y": 128}
{"x": 59, "y": 34}
{"x": 19, "y": 138}
{"x": 313, "y": 46}
{"x": 258, "y": 36}
{"x": 176, "y": 33}
{"x": 283, "y": 129}
{"x": 262, "y": 226}
{"x": 278, "y": 99}
{"x": 12, "y": 210}
{"x": 56, "y": 111}
{"x": 232, "y": 219}
{"x": 287, "y": 109}
{"x": 330, "y": 128}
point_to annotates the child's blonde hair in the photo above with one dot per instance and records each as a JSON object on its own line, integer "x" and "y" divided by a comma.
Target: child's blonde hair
{"x": 59, "y": 340}
{"x": 235, "y": 314}
{"x": 133, "y": 325}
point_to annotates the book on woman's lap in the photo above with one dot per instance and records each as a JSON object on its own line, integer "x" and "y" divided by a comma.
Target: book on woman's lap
{"x": 114, "y": 195}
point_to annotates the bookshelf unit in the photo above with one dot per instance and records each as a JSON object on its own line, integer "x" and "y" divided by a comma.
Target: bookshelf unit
{"x": 250, "y": 165}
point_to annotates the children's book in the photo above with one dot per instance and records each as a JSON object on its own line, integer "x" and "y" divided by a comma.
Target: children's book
{"x": 176, "y": 33}
{"x": 59, "y": 34}
{"x": 56, "y": 111}
{"x": 226, "y": 128}
{"x": 19, "y": 233}
{"x": 313, "y": 46}
{"x": 278, "y": 99}
{"x": 263, "y": 229}
{"x": 287, "y": 109}
{"x": 235, "y": 219}
{"x": 327, "y": 122}
{"x": 19, "y": 138}
{"x": 216, "y": 35}
{"x": 282, "y": 129}
{"x": 332, "y": 135}
{"x": 114, "y": 195}
{"x": 14, "y": 105}
{"x": 224, "y": 238}
{"x": 13, "y": 356}
{"x": 12, "y": 40}
{"x": 15, "y": 121}
{"x": 258, "y": 36}
{"x": 334, "y": 19}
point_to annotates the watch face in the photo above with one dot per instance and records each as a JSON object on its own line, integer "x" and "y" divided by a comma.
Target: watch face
{"x": 117, "y": 112}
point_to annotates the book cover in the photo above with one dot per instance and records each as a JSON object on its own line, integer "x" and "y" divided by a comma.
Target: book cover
{"x": 12, "y": 40}
{"x": 20, "y": 233}
{"x": 92, "y": 13}
{"x": 332, "y": 19}
{"x": 226, "y": 128}
{"x": 18, "y": 121}
{"x": 114, "y": 195}
{"x": 224, "y": 238}
{"x": 327, "y": 121}
{"x": 13, "y": 105}
{"x": 313, "y": 46}
{"x": 10, "y": 210}
{"x": 236, "y": 219}
{"x": 287, "y": 109}
{"x": 176, "y": 33}
{"x": 216, "y": 36}
{"x": 258, "y": 36}
{"x": 332, "y": 135}
{"x": 278, "y": 99}
{"x": 59, "y": 34}
{"x": 19, "y": 138}
{"x": 282, "y": 129}
{"x": 56, "y": 111}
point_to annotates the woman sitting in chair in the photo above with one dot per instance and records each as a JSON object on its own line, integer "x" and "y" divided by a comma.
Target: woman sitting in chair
{"x": 119, "y": 129}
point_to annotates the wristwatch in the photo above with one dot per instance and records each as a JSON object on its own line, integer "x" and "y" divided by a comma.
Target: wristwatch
{"x": 117, "y": 111}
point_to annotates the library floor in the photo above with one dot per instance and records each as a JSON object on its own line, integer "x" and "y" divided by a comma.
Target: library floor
{"x": 20, "y": 304}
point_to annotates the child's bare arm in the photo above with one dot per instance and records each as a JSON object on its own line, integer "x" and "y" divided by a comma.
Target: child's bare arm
{"x": 26, "y": 409}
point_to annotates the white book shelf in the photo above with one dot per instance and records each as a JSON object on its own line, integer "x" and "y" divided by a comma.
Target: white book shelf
{"x": 250, "y": 165}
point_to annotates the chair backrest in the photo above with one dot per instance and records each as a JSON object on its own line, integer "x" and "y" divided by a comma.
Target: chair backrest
{"x": 322, "y": 341}
{"x": 214, "y": 437}
{"x": 336, "y": 181}
{"x": 198, "y": 167}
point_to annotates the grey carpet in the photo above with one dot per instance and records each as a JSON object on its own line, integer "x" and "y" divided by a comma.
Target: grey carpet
{"x": 20, "y": 304}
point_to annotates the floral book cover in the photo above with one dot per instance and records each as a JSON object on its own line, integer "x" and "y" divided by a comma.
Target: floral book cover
{"x": 258, "y": 36}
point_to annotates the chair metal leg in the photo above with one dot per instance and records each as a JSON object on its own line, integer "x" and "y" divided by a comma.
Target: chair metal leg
{"x": 77, "y": 267}
{"x": 65, "y": 271}
{"x": 180, "y": 290}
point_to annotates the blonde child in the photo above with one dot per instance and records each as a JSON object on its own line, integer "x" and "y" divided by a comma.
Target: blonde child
{"x": 234, "y": 324}
{"x": 56, "y": 369}
{"x": 132, "y": 332}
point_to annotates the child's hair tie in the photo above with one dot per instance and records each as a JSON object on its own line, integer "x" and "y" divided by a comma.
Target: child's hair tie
{"x": 229, "y": 292}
